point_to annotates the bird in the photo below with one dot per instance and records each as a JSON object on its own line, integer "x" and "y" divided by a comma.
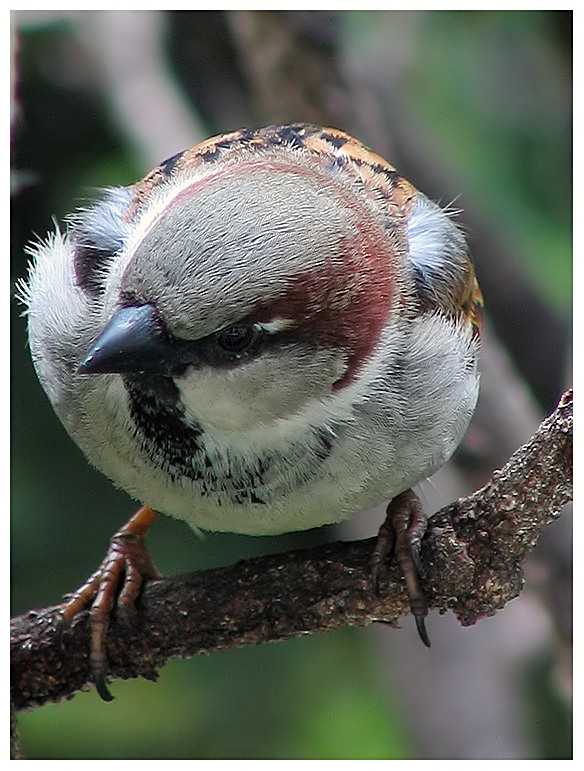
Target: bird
{"x": 270, "y": 332}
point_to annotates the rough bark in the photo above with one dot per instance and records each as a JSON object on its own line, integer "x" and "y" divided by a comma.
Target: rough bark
{"x": 472, "y": 554}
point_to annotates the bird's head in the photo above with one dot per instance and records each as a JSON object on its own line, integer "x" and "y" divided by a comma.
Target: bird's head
{"x": 258, "y": 271}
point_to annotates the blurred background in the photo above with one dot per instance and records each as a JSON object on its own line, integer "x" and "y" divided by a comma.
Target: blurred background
{"x": 475, "y": 109}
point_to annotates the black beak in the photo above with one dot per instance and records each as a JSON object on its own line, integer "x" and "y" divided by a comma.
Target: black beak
{"x": 133, "y": 342}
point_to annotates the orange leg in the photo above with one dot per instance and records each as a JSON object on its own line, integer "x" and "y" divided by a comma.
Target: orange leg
{"x": 121, "y": 574}
{"x": 401, "y": 534}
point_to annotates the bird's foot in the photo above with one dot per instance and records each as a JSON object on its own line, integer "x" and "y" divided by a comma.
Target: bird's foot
{"x": 400, "y": 535}
{"x": 117, "y": 582}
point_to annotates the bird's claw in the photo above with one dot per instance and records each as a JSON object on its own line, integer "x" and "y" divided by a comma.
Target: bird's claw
{"x": 116, "y": 583}
{"x": 400, "y": 535}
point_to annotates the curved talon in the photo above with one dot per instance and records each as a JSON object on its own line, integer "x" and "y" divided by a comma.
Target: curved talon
{"x": 401, "y": 533}
{"x": 127, "y": 563}
{"x": 100, "y": 685}
{"x": 422, "y": 631}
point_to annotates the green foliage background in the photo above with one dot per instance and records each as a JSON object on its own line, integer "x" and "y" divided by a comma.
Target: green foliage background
{"x": 315, "y": 697}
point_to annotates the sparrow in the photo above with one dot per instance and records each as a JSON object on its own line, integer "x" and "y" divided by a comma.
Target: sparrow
{"x": 270, "y": 332}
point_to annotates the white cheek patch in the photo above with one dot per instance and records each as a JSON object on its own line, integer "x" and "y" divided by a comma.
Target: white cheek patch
{"x": 265, "y": 402}
{"x": 211, "y": 397}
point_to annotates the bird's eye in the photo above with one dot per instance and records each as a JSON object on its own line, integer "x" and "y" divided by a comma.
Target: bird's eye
{"x": 237, "y": 339}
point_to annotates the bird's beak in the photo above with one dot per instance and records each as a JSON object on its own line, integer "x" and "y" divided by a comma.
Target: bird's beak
{"x": 134, "y": 341}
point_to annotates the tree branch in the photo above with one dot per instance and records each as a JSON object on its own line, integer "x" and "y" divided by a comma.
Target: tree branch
{"x": 472, "y": 553}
